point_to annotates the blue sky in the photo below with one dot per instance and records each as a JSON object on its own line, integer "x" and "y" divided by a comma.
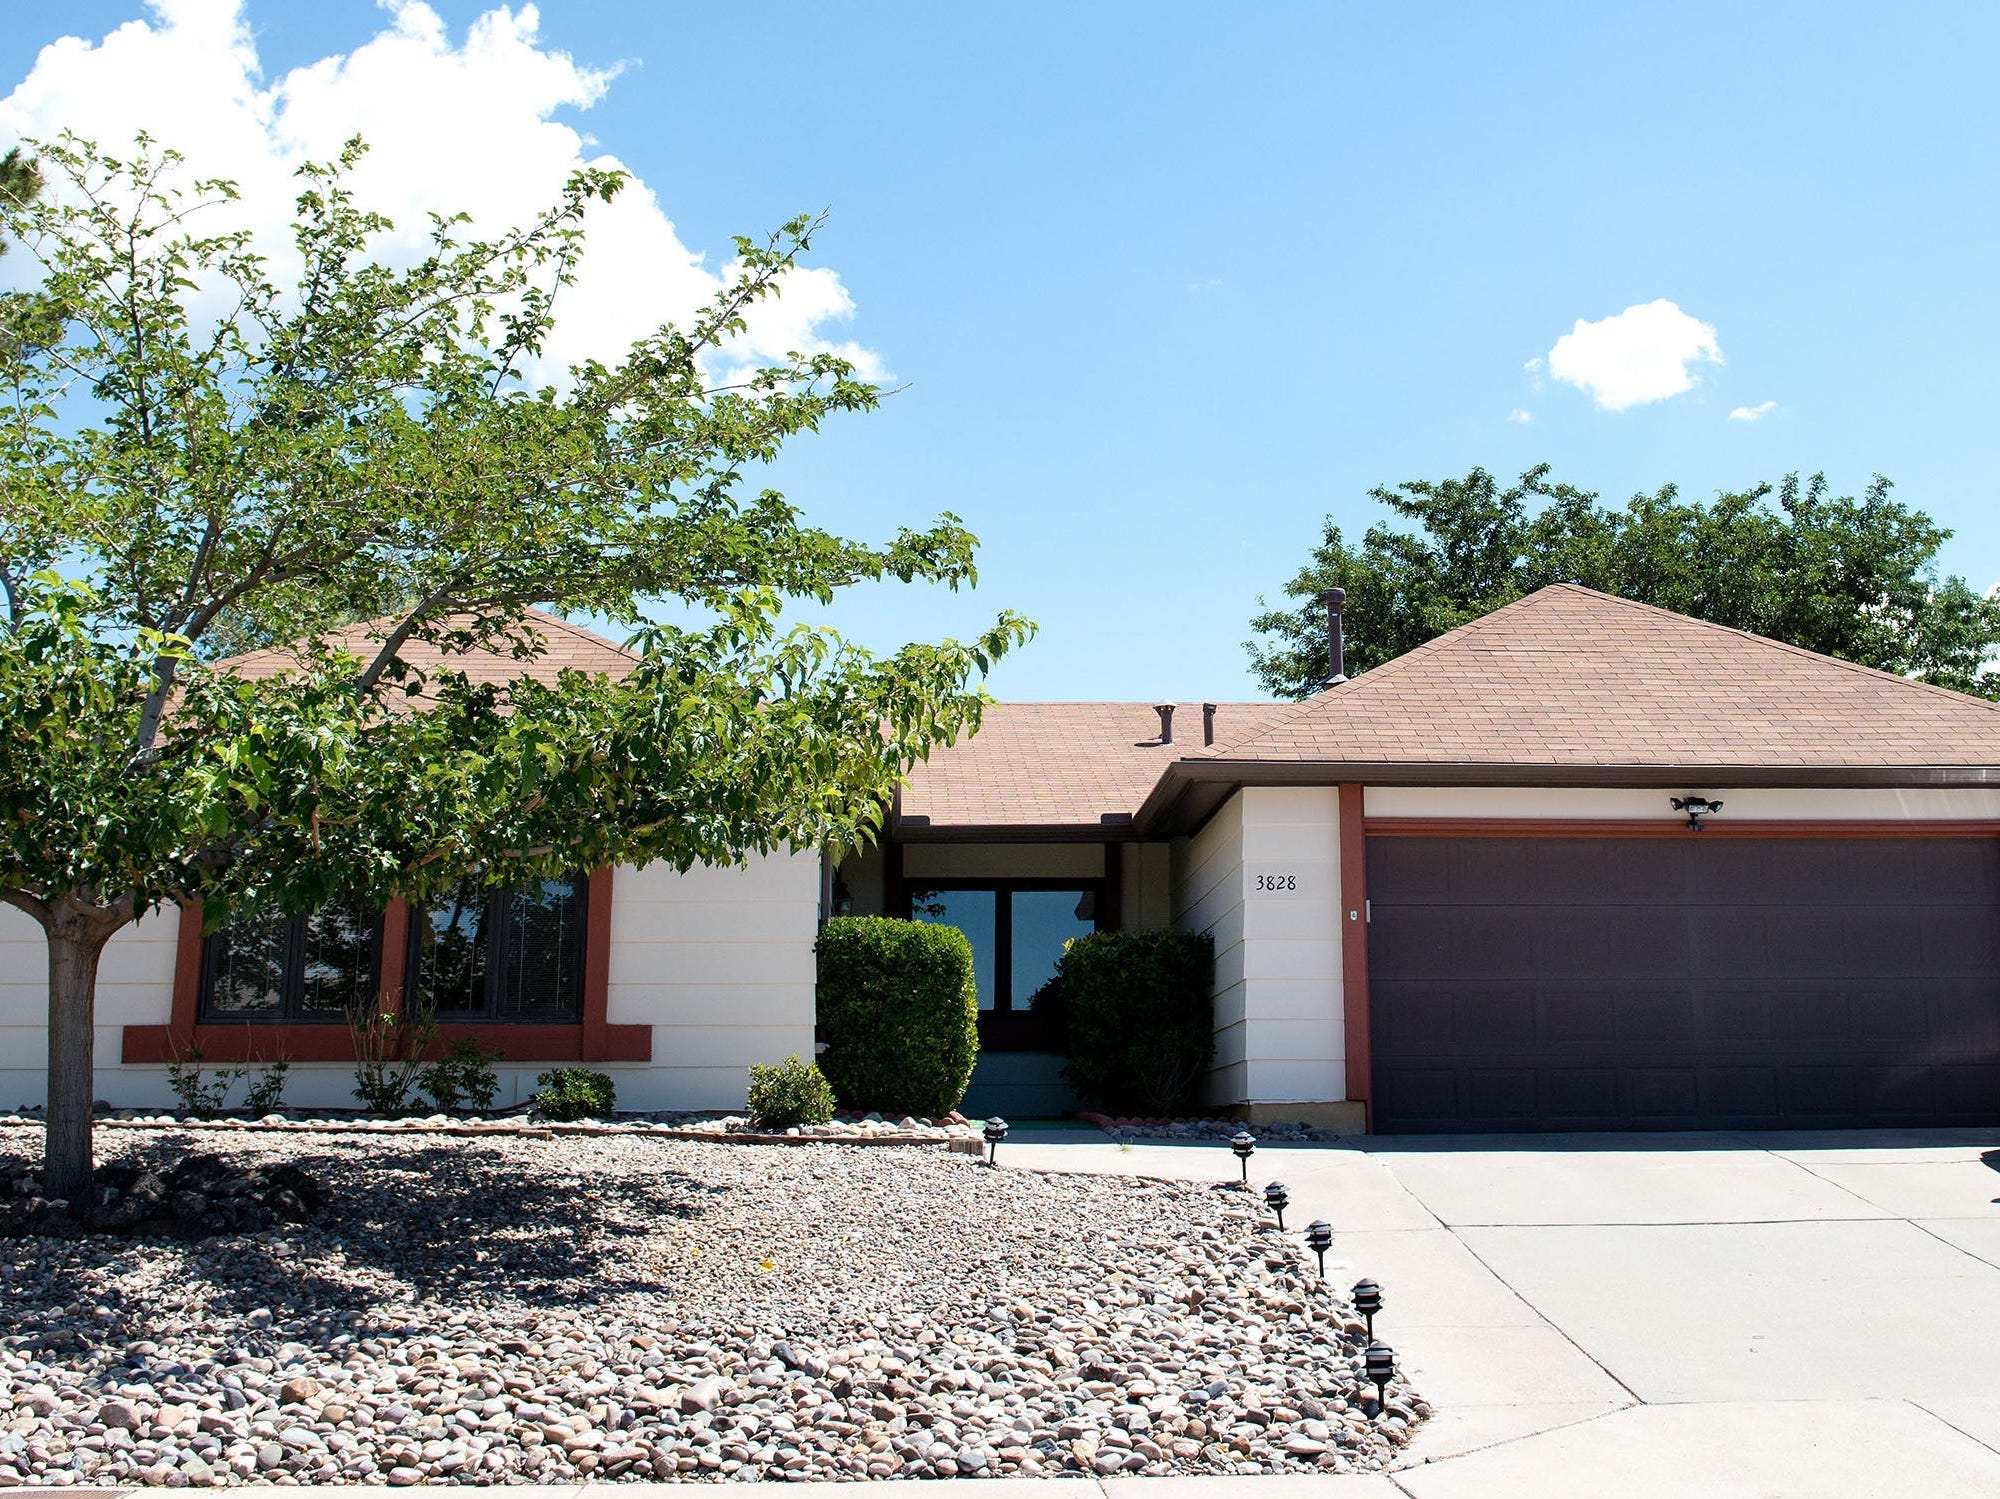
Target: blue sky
{"x": 1168, "y": 283}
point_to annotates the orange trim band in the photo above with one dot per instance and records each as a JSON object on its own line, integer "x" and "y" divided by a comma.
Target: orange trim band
{"x": 1354, "y": 830}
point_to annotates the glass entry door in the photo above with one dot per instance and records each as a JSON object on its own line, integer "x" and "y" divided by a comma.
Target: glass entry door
{"x": 1017, "y": 929}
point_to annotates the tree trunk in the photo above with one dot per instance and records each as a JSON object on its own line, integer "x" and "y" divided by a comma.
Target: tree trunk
{"x": 76, "y": 942}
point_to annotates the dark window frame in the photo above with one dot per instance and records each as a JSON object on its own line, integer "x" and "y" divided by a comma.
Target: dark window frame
{"x": 1004, "y": 1028}
{"x": 290, "y": 1010}
{"x": 494, "y": 942}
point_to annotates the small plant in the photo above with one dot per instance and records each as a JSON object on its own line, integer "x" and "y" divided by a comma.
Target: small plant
{"x": 792, "y": 1092}
{"x": 202, "y": 1095}
{"x": 205, "y": 1094}
{"x": 388, "y": 1050}
{"x": 571, "y": 1093}
{"x": 462, "y": 1078}
{"x": 268, "y": 1092}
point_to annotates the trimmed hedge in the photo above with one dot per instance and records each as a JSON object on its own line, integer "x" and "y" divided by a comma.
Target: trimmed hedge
{"x": 900, "y": 1012}
{"x": 1139, "y": 1012}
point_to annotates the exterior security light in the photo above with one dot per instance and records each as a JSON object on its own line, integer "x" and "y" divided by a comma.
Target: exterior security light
{"x": 1245, "y": 1145}
{"x": 1380, "y": 1363}
{"x": 1319, "y": 1238}
{"x": 995, "y": 1132}
{"x": 1276, "y": 1198}
{"x": 1696, "y": 807}
{"x": 1368, "y": 1301}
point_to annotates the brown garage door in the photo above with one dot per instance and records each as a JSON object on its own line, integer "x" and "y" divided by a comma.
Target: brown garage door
{"x": 1699, "y": 982}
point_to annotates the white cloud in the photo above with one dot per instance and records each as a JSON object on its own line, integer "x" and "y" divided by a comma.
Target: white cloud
{"x": 1635, "y": 357}
{"x": 450, "y": 126}
{"x": 1520, "y": 416}
{"x": 1753, "y": 413}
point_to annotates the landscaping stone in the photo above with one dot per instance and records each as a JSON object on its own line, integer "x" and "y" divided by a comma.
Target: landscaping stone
{"x": 1281, "y": 1132}
{"x": 512, "y": 1308}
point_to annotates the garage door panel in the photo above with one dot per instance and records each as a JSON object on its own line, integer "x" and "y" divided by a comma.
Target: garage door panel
{"x": 1959, "y": 941}
{"x": 1579, "y": 1097}
{"x": 1596, "y": 943}
{"x": 1490, "y": 1022}
{"x": 1960, "y": 871}
{"x": 1736, "y": 1013}
{"x": 1741, "y": 1093}
{"x": 1420, "y": 1023}
{"x": 1574, "y": 1020}
{"x": 1969, "y": 1092}
{"x": 1427, "y": 1096}
{"x": 1500, "y": 1095}
{"x": 1817, "y": 1095}
{"x": 1491, "y": 941}
{"x": 1661, "y": 1094}
{"x": 1411, "y": 942}
{"x": 1891, "y": 1014}
{"x": 1654, "y": 1017}
{"x": 1698, "y": 982}
{"x": 1895, "y": 1093}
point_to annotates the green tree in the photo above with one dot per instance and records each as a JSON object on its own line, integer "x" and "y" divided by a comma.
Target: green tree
{"x": 1850, "y": 577}
{"x": 195, "y": 451}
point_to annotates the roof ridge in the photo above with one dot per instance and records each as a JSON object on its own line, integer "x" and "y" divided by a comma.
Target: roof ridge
{"x": 578, "y": 630}
{"x": 1326, "y": 696}
{"x": 1822, "y": 657}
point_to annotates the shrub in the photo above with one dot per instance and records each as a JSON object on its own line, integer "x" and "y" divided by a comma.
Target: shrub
{"x": 1140, "y": 1018}
{"x": 792, "y": 1092}
{"x": 462, "y": 1078}
{"x": 388, "y": 1050}
{"x": 901, "y": 1014}
{"x": 572, "y": 1093}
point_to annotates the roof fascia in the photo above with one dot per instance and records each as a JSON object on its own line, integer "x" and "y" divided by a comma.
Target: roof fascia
{"x": 1190, "y": 791}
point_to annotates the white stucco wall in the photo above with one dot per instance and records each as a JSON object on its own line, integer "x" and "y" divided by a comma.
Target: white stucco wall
{"x": 1263, "y": 876}
{"x": 718, "y": 961}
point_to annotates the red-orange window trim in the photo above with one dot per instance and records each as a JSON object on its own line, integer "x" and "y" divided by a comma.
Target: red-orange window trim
{"x": 1354, "y": 946}
{"x": 591, "y": 1039}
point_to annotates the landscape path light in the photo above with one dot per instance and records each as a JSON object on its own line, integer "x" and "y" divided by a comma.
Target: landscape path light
{"x": 1380, "y": 1362}
{"x": 1276, "y": 1198}
{"x": 1319, "y": 1238}
{"x": 995, "y": 1132}
{"x": 1368, "y": 1301}
{"x": 1245, "y": 1146}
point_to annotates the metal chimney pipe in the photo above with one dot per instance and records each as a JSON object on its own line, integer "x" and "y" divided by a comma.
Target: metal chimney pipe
{"x": 1335, "y": 600}
{"x": 1166, "y": 712}
{"x": 1208, "y": 723}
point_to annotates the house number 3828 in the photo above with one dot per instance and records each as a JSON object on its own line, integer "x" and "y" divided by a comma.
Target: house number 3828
{"x": 1277, "y": 882}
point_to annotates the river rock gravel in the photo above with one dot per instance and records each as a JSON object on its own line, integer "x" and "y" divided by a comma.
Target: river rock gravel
{"x": 496, "y": 1309}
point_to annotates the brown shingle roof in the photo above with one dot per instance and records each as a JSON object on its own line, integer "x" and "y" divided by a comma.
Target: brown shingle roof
{"x": 568, "y": 647}
{"x": 1061, "y": 764}
{"x": 1569, "y": 676}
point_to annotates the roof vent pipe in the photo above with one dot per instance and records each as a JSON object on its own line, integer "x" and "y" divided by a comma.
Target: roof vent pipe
{"x": 1335, "y": 600}
{"x": 1166, "y": 712}
{"x": 1208, "y": 723}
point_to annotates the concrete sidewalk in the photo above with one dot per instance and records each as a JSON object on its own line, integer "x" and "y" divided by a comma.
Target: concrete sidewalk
{"x": 1723, "y": 1315}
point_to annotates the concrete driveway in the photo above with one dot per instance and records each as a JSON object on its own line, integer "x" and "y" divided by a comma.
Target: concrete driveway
{"x": 1714, "y": 1314}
